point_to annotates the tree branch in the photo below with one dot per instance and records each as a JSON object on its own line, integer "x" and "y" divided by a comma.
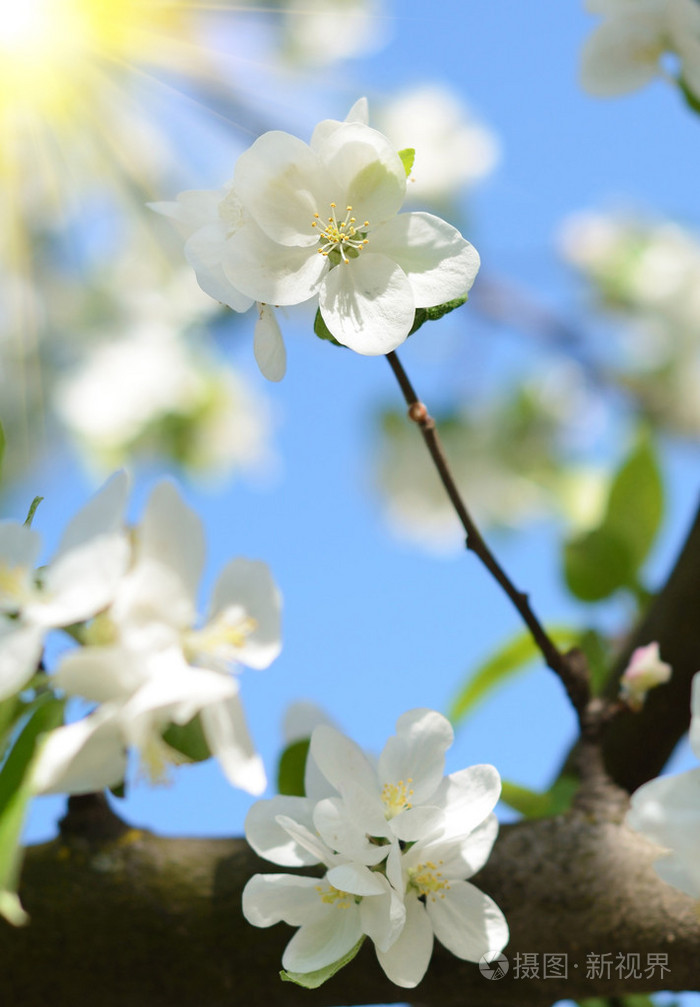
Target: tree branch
{"x": 571, "y": 668}
{"x": 137, "y": 920}
{"x": 637, "y": 746}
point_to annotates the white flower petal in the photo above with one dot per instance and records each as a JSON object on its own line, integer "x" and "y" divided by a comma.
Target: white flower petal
{"x": 346, "y": 833}
{"x": 272, "y": 272}
{"x": 467, "y": 797}
{"x": 667, "y": 811}
{"x": 205, "y": 251}
{"x": 248, "y": 587}
{"x": 20, "y": 651}
{"x": 358, "y": 880}
{"x": 270, "y": 840}
{"x": 279, "y": 898}
{"x": 622, "y": 54}
{"x": 171, "y": 534}
{"x": 341, "y": 761}
{"x": 82, "y": 757}
{"x": 328, "y": 935}
{"x": 306, "y": 839}
{"x": 467, "y": 922}
{"x": 268, "y": 345}
{"x": 416, "y": 753}
{"x": 364, "y": 172}
{"x": 440, "y": 264}
{"x": 407, "y": 960}
{"x": 102, "y": 514}
{"x": 193, "y": 208}
{"x": 228, "y": 738}
{"x": 368, "y": 304}
{"x": 382, "y": 918}
{"x": 19, "y": 552}
{"x": 279, "y": 180}
{"x": 101, "y": 674}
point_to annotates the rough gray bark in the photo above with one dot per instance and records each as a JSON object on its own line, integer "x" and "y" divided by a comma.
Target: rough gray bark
{"x": 124, "y": 918}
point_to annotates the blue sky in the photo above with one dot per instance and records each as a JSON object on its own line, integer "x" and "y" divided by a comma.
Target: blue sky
{"x": 373, "y": 627}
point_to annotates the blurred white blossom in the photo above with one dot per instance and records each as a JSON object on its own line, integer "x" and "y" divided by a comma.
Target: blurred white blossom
{"x": 667, "y": 811}
{"x": 154, "y": 392}
{"x": 145, "y": 660}
{"x": 320, "y": 32}
{"x": 626, "y": 49}
{"x": 645, "y": 273}
{"x": 453, "y": 149}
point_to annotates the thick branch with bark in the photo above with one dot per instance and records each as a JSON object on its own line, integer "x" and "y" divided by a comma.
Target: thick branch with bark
{"x": 125, "y": 918}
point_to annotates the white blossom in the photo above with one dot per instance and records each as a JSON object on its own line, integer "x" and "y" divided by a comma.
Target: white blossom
{"x": 417, "y": 834}
{"x": 79, "y": 581}
{"x": 625, "y": 51}
{"x": 452, "y": 148}
{"x": 667, "y": 811}
{"x": 301, "y": 221}
{"x": 147, "y": 663}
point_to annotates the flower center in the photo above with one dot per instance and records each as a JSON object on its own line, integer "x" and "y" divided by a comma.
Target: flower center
{"x": 223, "y": 637}
{"x": 427, "y": 880}
{"x": 396, "y": 797}
{"x": 343, "y": 237}
{"x": 13, "y": 587}
{"x": 334, "y": 896}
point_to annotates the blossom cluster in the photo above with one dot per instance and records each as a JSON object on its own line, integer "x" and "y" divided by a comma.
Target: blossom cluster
{"x": 667, "y": 811}
{"x": 397, "y": 840}
{"x": 626, "y": 50}
{"x": 645, "y": 273}
{"x": 300, "y": 222}
{"x": 146, "y": 663}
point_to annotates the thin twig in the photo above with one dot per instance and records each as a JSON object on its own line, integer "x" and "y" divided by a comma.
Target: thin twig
{"x": 571, "y": 667}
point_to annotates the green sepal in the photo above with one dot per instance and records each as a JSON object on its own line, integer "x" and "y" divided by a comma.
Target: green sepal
{"x": 188, "y": 739}
{"x": 437, "y": 311}
{"x": 322, "y": 330}
{"x": 291, "y": 769}
{"x": 312, "y": 980}
{"x": 534, "y": 804}
{"x": 508, "y": 660}
{"x": 32, "y": 510}
{"x": 408, "y": 156}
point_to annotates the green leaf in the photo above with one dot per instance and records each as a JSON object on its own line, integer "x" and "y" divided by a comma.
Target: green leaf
{"x": 691, "y": 101}
{"x": 312, "y": 980}
{"x": 2, "y": 445}
{"x": 16, "y": 791}
{"x": 424, "y": 315}
{"x": 607, "y": 558}
{"x": 408, "y": 156}
{"x": 188, "y": 739}
{"x": 32, "y": 510}
{"x": 290, "y": 771}
{"x": 636, "y": 501}
{"x": 512, "y": 657}
{"x": 598, "y": 563}
{"x": 536, "y": 804}
{"x": 322, "y": 330}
